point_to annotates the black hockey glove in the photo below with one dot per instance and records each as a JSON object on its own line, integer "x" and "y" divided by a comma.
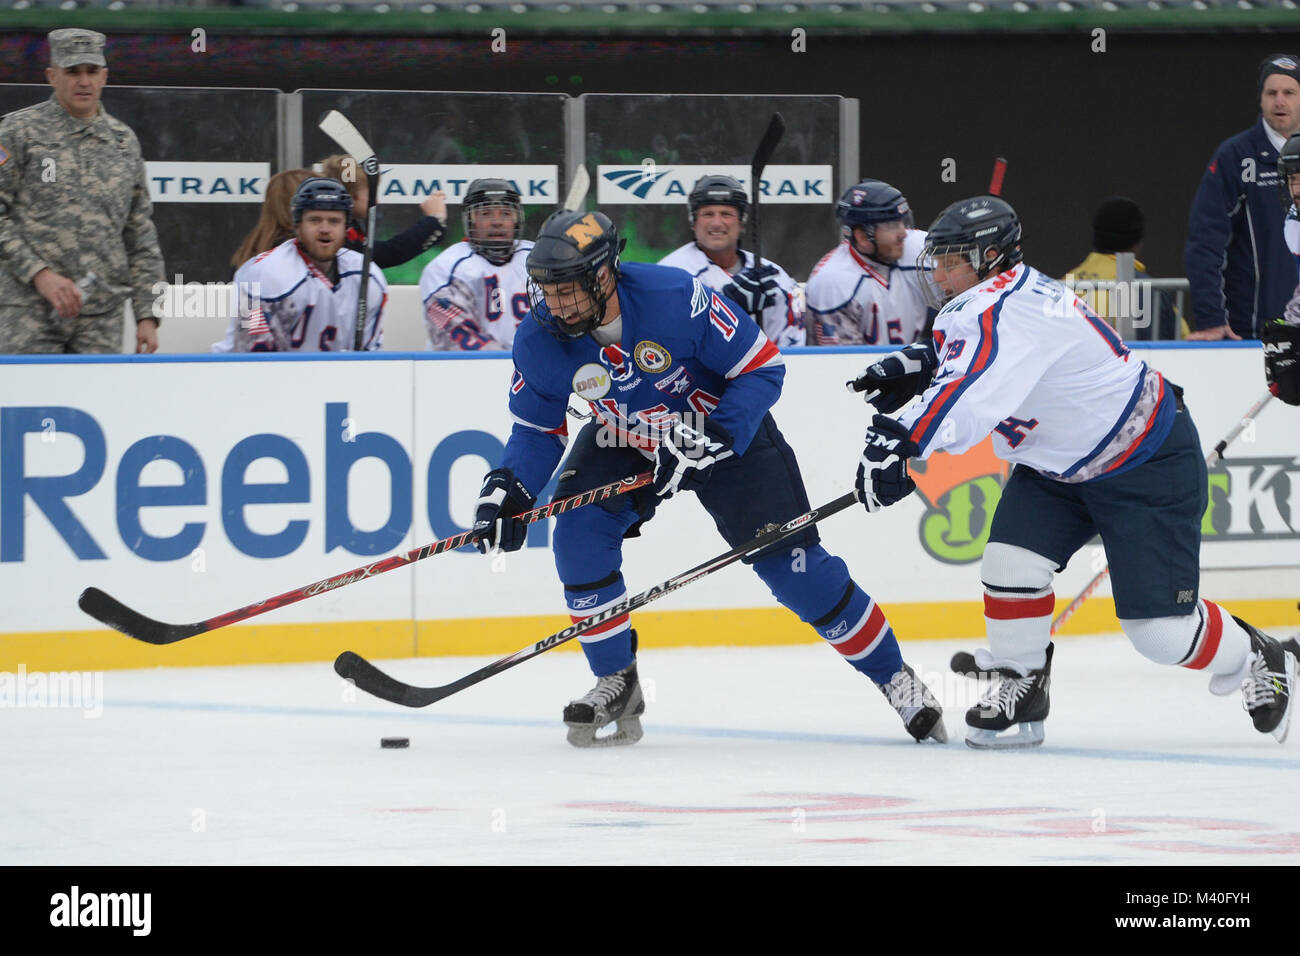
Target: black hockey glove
{"x": 503, "y": 496}
{"x": 754, "y": 288}
{"x": 686, "y": 456}
{"x": 898, "y": 377}
{"x": 882, "y": 472}
{"x": 1282, "y": 360}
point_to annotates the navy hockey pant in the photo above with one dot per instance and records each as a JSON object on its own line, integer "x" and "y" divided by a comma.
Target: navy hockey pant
{"x": 744, "y": 494}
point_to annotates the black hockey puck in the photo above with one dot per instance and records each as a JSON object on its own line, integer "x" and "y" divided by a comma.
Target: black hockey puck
{"x": 394, "y": 743}
{"x": 963, "y": 662}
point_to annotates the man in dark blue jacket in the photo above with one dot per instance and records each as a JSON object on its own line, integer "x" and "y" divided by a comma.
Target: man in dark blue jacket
{"x": 1240, "y": 270}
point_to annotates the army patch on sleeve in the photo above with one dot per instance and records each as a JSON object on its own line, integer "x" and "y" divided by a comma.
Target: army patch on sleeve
{"x": 4, "y": 156}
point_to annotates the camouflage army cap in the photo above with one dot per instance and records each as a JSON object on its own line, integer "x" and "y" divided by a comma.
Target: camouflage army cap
{"x": 70, "y": 48}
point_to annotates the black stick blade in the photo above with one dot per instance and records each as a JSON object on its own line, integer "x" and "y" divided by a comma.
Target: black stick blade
{"x": 372, "y": 680}
{"x": 109, "y": 610}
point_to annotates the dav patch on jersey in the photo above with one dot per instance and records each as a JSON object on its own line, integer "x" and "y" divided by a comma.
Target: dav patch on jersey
{"x": 649, "y": 184}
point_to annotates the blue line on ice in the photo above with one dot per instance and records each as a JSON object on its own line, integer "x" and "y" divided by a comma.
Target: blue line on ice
{"x": 728, "y": 732}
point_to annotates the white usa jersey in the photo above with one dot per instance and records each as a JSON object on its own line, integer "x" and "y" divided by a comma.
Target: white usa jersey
{"x": 471, "y": 304}
{"x": 853, "y": 300}
{"x": 782, "y": 322}
{"x": 284, "y": 303}
{"x": 1023, "y": 358}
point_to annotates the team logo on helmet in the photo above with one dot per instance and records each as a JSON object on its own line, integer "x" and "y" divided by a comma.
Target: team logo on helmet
{"x": 618, "y": 362}
{"x": 652, "y": 357}
{"x": 585, "y": 230}
{"x": 591, "y": 382}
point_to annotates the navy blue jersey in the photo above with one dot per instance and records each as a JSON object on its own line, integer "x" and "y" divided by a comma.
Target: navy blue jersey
{"x": 685, "y": 349}
{"x": 1238, "y": 266}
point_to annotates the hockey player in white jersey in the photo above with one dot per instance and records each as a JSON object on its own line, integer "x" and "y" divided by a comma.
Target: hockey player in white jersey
{"x": 717, "y": 207}
{"x": 302, "y": 295}
{"x": 476, "y": 292}
{"x": 1102, "y": 444}
{"x": 867, "y": 290}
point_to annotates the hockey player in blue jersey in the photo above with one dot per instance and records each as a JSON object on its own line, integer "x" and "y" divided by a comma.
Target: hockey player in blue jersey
{"x": 678, "y": 379}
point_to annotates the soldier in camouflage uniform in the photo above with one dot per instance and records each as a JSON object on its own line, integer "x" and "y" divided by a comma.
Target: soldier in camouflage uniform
{"x": 76, "y": 238}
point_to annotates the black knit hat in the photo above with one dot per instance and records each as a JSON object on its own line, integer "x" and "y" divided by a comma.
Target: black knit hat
{"x": 1118, "y": 225}
{"x": 1288, "y": 64}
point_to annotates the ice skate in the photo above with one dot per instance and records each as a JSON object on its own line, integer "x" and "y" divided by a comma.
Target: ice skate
{"x": 616, "y": 699}
{"x": 1011, "y": 715}
{"x": 1269, "y": 681}
{"x": 921, "y": 713}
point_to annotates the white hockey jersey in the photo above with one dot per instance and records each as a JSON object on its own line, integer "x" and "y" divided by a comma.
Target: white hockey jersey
{"x": 1022, "y": 357}
{"x": 782, "y": 322}
{"x": 852, "y": 300}
{"x": 283, "y": 303}
{"x": 471, "y": 304}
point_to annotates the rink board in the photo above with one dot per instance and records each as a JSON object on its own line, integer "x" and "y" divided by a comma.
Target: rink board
{"x": 188, "y": 487}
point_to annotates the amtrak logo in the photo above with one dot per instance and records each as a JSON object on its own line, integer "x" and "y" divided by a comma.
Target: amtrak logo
{"x": 618, "y": 362}
{"x": 637, "y": 181}
{"x": 650, "y": 184}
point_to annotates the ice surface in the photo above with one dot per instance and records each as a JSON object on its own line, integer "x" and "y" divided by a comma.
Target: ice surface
{"x": 751, "y": 755}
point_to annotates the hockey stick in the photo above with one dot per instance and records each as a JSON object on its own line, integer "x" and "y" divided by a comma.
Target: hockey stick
{"x": 340, "y": 129}
{"x": 762, "y": 155}
{"x": 999, "y": 171}
{"x": 963, "y": 662}
{"x": 372, "y": 680}
{"x": 108, "y": 610}
{"x": 578, "y": 190}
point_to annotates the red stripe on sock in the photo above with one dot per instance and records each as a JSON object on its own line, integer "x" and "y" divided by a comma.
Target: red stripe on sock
{"x": 1014, "y": 609}
{"x": 1210, "y": 645}
{"x": 857, "y": 643}
{"x": 612, "y": 624}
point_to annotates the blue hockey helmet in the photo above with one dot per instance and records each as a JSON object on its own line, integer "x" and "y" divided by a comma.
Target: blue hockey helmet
{"x": 316, "y": 192}
{"x": 571, "y": 250}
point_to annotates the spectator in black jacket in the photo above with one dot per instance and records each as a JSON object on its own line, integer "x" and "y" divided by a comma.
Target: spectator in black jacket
{"x": 404, "y": 246}
{"x": 1239, "y": 268}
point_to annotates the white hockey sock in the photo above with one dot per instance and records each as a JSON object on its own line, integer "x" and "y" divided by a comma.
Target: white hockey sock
{"x": 1019, "y": 625}
{"x": 1018, "y": 603}
{"x": 1208, "y": 640}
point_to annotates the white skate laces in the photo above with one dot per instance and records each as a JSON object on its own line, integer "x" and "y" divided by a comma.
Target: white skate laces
{"x": 607, "y": 690}
{"x": 1006, "y": 695}
{"x": 921, "y": 713}
{"x": 1010, "y": 690}
{"x": 906, "y": 694}
{"x": 1261, "y": 687}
